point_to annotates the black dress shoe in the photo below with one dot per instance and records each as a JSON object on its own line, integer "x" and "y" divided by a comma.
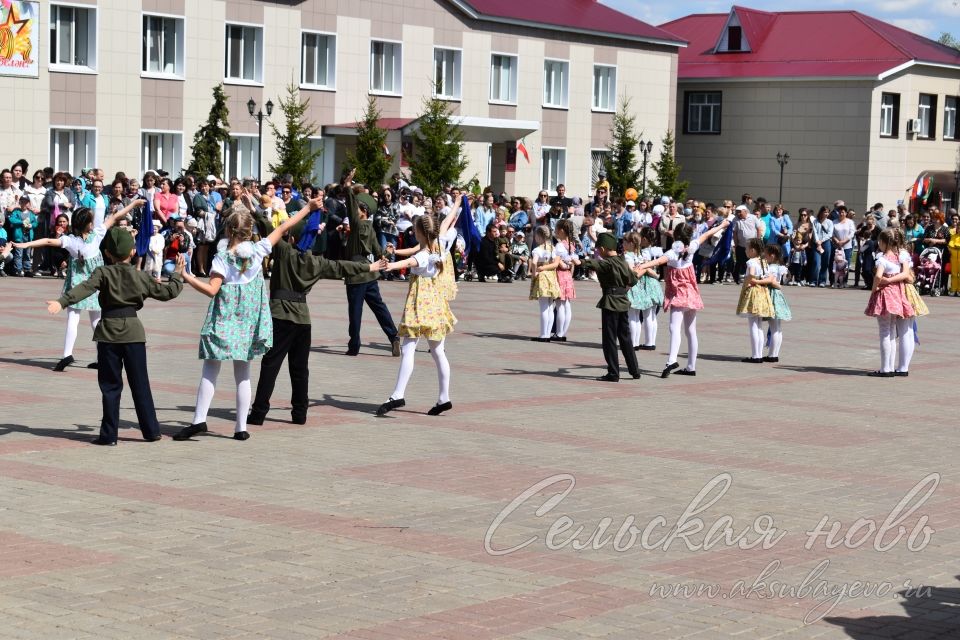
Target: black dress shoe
{"x": 648, "y": 347}
{"x": 437, "y": 409}
{"x": 93, "y": 365}
{"x": 635, "y": 376}
{"x": 771, "y": 359}
{"x": 685, "y": 372}
{"x": 637, "y": 348}
{"x": 63, "y": 364}
{"x": 188, "y": 432}
{"x": 156, "y": 438}
{"x": 104, "y": 443}
{"x": 256, "y": 418}
{"x": 880, "y": 374}
{"x": 608, "y": 378}
{"x": 539, "y": 339}
{"x": 558, "y": 339}
{"x": 667, "y": 370}
{"x": 390, "y": 405}
{"x": 241, "y": 435}
{"x": 351, "y": 353}
{"x": 752, "y": 360}
{"x": 901, "y": 374}
{"x": 296, "y": 418}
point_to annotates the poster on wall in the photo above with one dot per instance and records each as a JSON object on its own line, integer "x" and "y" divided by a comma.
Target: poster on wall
{"x": 19, "y": 37}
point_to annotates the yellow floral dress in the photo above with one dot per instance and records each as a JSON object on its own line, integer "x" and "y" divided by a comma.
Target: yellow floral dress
{"x": 544, "y": 284}
{"x": 426, "y": 313}
{"x": 755, "y": 300}
{"x": 448, "y": 275}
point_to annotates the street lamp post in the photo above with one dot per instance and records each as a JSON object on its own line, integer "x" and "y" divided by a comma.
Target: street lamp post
{"x": 782, "y": 160}
{"x": 646, "y": 148}
{"x": 258, "y": 115}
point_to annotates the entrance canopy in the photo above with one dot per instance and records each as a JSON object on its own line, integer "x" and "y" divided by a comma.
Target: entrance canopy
{"x": 475, "y": 129}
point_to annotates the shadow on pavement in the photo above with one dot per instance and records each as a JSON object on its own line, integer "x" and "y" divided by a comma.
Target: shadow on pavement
{"x": 524, "y": 338}
{"x": 930, "y": 614}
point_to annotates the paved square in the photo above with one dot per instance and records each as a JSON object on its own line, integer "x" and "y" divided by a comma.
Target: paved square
{"x": 353, "y": 526}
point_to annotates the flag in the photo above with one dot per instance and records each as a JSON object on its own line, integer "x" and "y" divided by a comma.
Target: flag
{"x": 467, "y": 229}
{"x": 522, "y": 148}
{"x": 310, "y": 232}
{"x": 721, "y": 253}
{"x": 146, "y": 229}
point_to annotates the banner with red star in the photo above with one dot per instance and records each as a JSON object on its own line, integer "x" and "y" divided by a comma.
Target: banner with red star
{"x": 19, "y": 37}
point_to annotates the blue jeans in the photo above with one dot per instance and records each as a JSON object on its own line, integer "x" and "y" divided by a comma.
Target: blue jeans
{"x": 384, "y": 238}
{"x": 22, "y": 259}
{"x": 823, "y": 262}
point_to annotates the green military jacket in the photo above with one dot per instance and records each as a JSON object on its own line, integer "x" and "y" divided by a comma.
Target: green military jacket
{"x": 121, "y": 285}
{"x": 362, "y": 243}
{"x": 294, "y": 272}
{"x": 613, "y": 273}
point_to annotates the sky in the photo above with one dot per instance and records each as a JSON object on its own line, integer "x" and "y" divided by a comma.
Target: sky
{"x": 929, "y": 18}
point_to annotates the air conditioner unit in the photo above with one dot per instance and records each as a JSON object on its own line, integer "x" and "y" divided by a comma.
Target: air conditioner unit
{"x": 913, "y": 126}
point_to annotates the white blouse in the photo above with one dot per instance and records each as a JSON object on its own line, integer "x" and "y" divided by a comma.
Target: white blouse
{"x": 560, "y": 250}
{"x": 230, "y": 272}
{"x": 890, "y": 268}
{"x": 542, "y": 255}
{"x": 755, "y": 268}
{"x": 426, "y": 264}
{"x": 78, "y": 249}
{"x": 673, "y": 255}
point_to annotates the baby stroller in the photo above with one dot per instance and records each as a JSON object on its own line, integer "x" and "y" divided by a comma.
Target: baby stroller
{"x": 929, "y": 271}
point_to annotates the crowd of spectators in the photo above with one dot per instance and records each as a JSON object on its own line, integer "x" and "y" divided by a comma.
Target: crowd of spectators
{"x": 833, "y": 247}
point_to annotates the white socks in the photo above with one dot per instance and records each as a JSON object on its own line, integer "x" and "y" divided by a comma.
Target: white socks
{"x": 636, "y": 327}
{"x": 650, "y": 326}
{"x": 906, "y": 343}
{"x": 73, "y": 324}
{"x": 564, "y": 316}
{"x": 755, "y": 325}
{"x": 888, "y": 342}
{"x": 776, "y": 337}
{"x": 685, "y": 319}
{"x": 208, "y": 385}
{"x": 408, "y": 350}
{"x": 546, "y": 318}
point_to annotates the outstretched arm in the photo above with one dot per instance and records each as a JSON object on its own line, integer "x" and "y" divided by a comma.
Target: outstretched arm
{"x": 287, "y": 224}
{"x": 112, "y": 219}
{"x": 42, "y": 242}
{"x": 709, "y": 233}
{"x": 451, "y": 218}
{"x": 652, "y": 264}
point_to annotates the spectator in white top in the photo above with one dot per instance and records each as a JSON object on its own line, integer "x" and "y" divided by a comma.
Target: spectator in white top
{"x": 9, "y": 195}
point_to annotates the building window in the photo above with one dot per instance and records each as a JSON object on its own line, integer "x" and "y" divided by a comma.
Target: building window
{"x": 318, "y": 65}
{"x": 162, "y": 46}
{"x": 890, "y": 115}
{"x": 244, "y": 61}
{"x": 927, "y": 113}
{"x": 322, "y": 171}
{"x": 503, "y": 78}
{"x": 242, "y": 159}
{"x": 161, "y": 151}
{"x": 446, "y": 73}
{"x": 604, "y": 88}
{"x": 72, "y": 150}
{"x": 556, "y": 83}
{"x": 734, "y": 38}
{"x": 598, "y": 163}
{"x": 702, "y": 112}
{"x": 553, "y": 168}
{"x": 385, "y": 67}
{"x": 73, "y": 37}
{"x": 950, "y": 119}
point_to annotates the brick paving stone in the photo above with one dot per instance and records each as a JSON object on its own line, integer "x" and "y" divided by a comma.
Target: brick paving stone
{"x": 363, "y": 527}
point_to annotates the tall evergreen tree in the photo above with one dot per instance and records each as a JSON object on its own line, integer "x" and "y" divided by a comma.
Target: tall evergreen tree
{"x": 209, "y": 139}
{"x": 369, "y": 157}
{"x": 668, "y": 182}
{"x": 294, "y": 156}
{"x": 623, "y": 170}
{"x": 438, "y": 157}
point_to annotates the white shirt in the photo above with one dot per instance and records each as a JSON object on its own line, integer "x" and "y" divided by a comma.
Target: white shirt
{"x": 674, "y": 259}
{"x": 230, "y": 272}
{"x": 755, "y": 268}
{"x": 542, "y": 255}
{"x": 448, "y": 239}
{"x": 650, "y": 253}
{"x": 36, "y": 195}
{"x": 560, "y": 250}
{"x": 890, "y": 268}
{"x": 405, "y": 221}
{"x": 77, "y": 248}
{"x": 778, "y": 270}
{"x": 426, "y": 264}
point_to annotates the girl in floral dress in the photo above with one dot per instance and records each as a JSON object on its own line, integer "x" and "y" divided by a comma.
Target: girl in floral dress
{"x": 781, "y": 310}
{"x": 755, "y": 303}
{"x": 238, "y": 325}
{"x": 543, "y": 279}
{"x": 83, "y": 248}
{"x": 567, "y": 253}
{"x": 646, "y": 297}
{"x": 426, "y": 314}
{"x": 890, "y": 306}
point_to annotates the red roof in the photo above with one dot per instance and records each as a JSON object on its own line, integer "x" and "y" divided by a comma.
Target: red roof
{"x": 796, "y": 44}
{"x": 567, "y": 15}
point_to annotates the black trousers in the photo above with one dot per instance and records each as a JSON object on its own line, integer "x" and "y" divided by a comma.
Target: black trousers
{"x": 368, "y": 292}
{"x": 616, "y": 327}
{"x": 113, "y": 358}
{"x": 741, "y": 267}
{"x": 293, "y": 340}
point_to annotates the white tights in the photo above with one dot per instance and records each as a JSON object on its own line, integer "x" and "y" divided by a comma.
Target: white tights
{"x": 905, "y": 342}
{"x": 755, "y": 325}
{"x": 546, "y": 317}
{"x": 73, "y": 323}
{"x": 636, "y": 326}
{"x": 776, "y": 337}
{"x": 564, "y": 316}
{"x": 408, "y": 350}
{"x": 208, "y": 385}
{"x": 650, "y": 327}
{"x": 685, "y": 319}
{"x": 888, "y": 341}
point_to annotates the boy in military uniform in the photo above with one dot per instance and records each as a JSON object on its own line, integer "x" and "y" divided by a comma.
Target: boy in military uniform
{"x": 120, "y": 338}
{"x": 615, "y": 278}
{"x": 294, "y": 274}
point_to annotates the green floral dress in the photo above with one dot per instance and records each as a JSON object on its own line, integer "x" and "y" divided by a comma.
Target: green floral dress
{"x": 85, "y": 256}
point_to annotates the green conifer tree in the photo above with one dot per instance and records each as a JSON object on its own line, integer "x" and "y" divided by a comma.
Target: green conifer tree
{"x": 668, "y": 182}
{"x": 623, "y": 170}
{"x": 209, "y": 139}
{"x": 369, "y": 157}
{"x": 294, "y": 156}
{"x": 438, "y": 157}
